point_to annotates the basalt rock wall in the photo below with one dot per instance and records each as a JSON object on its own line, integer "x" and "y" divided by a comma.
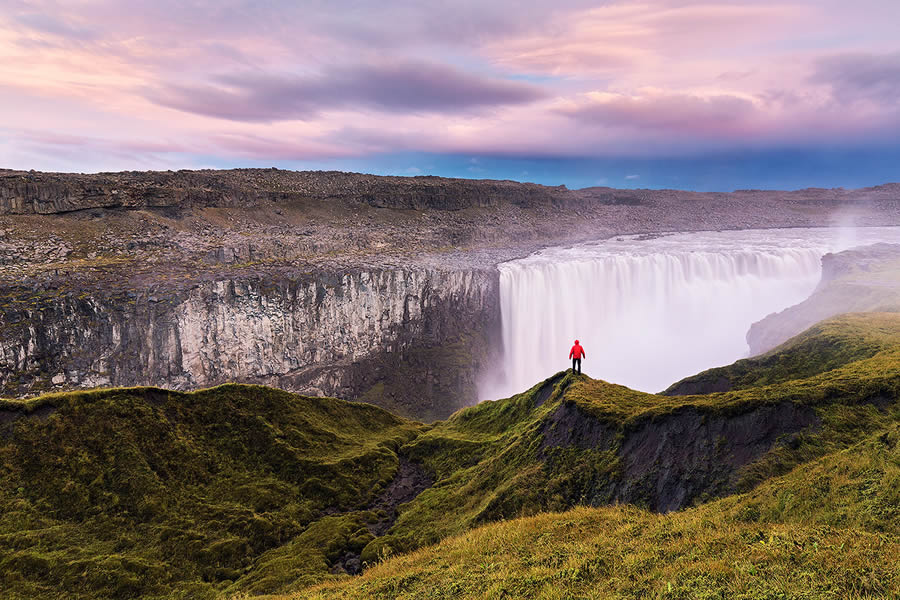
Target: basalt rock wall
{"x": 369, "y": 335}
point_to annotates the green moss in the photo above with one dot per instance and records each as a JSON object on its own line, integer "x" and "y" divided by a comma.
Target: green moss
{"x": 828, "y": 530}
{"x": 490, "y": 464}
{"x": 824, "y": 347}
{"x": 196, "y": 486}
{"x": 245, "y": 489}
{"x": 307, "y": 559}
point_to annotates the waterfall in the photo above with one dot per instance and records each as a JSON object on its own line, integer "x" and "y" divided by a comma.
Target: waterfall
{"x": 652, "y": 311}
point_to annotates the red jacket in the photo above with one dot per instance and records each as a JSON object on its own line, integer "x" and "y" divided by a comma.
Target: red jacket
{"x": 577, "y": 351}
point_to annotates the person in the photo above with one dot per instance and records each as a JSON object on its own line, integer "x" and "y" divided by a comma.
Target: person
{"x": 576, "y": 354}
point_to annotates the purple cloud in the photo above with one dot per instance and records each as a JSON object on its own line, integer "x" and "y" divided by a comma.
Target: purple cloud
{"x": 664, "y": 111}
{"x": 860, "y": 76}
{"x": 461, "y": 77}
{"x": 400, "y": 88}
{"x": 44, "y": 23}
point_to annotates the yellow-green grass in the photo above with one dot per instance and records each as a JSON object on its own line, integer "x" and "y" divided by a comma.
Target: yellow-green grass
{"x": 489, "y": 462}
{"x": 245, "y": 489}
{"x": 129, "y": 492}
{"x": 830, "y": 529}
{"x": 623, "y": 552}
{"x": 824, "y": 347}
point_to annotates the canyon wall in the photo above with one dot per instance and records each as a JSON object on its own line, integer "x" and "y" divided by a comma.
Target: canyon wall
{"x": 411, "y": 341}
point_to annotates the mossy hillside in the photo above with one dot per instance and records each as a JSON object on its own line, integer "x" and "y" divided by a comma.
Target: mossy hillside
{"x": 244, "y": 489}
{"x": 491, "y": 461}
{"x": 827, "y": 530}
{"x": 857, "y": 487}
{"x": 628, "y": 553}
{"x": 145, "y": 492}
{"x": 856, "y": 397}
{"x": 826, "y": 346}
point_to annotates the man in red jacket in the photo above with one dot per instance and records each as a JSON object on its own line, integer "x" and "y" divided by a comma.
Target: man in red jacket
{"x": 576, "y": 354}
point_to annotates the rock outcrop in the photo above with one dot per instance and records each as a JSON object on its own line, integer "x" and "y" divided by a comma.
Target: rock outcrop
{"x": 671, "y": 461}
{"x": 55, "y": 193}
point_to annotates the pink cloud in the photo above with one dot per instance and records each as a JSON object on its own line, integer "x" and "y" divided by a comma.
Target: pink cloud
{"x": 277, "y": 148}
{"x": 158, "y": 81}
{"x": 668, "y": 112}
{"x": 627, "y": 35}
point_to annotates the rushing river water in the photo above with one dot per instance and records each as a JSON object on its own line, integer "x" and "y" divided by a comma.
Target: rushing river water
{"x": 652, "y": 311}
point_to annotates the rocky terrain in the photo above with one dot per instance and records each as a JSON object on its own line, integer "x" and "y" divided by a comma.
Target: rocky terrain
{"x": 322, "y": 282}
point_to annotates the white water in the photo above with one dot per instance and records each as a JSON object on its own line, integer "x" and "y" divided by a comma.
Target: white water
{"x": 651, "y": 312}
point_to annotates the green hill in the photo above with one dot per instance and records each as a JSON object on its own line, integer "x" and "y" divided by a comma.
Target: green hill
{"x": 145, "y": 492}
{"x": 828, "y": 530}
{"x": 824, "y": 347}
{"x": 247, "y": 490}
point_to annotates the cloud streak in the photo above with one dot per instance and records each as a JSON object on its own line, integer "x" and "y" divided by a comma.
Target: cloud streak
{"x": 396, "y": 88}
{"x": 48, "y": 24}
{"x": 662, "y": 111}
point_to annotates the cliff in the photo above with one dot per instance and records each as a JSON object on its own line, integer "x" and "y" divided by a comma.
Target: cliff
{"x": 32, "y": 192}
{"x": 357, "y": 336}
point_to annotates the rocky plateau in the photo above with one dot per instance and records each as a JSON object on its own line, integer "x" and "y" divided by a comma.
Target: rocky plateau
{"x": 383, "y": 289}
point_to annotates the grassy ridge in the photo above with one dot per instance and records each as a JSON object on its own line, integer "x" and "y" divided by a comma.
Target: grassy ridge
{"x": 828, "y": 530}
{"x": 824, "y": 347}
{"x": 245, "y": 489}
{"x": 490, "y": 461}
{"x": 126, "y": 492}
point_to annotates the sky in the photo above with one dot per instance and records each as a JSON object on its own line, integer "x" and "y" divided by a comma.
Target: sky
{"x": 705, "y": 95}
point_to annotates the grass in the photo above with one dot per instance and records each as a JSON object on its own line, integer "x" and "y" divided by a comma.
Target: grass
{"x": 824, "y": 347}
{"x": 243, "y": 490}
{"x": 131, "y": 491}
{"x": 625, "y": 552}
{"x": 829, "y": 530}
{"x": 489, "y": 461}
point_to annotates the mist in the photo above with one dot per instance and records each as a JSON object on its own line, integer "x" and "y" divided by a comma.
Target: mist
{"x": 650, "y": 312}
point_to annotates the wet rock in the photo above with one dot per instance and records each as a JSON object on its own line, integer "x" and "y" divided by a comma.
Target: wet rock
{"x": 410, "y": 480}
{"x": 671, "y": 461}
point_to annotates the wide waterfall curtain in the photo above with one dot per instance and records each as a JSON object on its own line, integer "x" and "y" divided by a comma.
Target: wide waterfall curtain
{"x": 650, "y": 312}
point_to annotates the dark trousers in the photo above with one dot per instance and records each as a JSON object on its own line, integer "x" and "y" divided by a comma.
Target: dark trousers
{"x": 576, "y": 365}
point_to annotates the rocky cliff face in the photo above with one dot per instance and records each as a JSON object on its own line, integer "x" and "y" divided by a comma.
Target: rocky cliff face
{"x": 669, "y": 462}
{"x": 367, "y": 335}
